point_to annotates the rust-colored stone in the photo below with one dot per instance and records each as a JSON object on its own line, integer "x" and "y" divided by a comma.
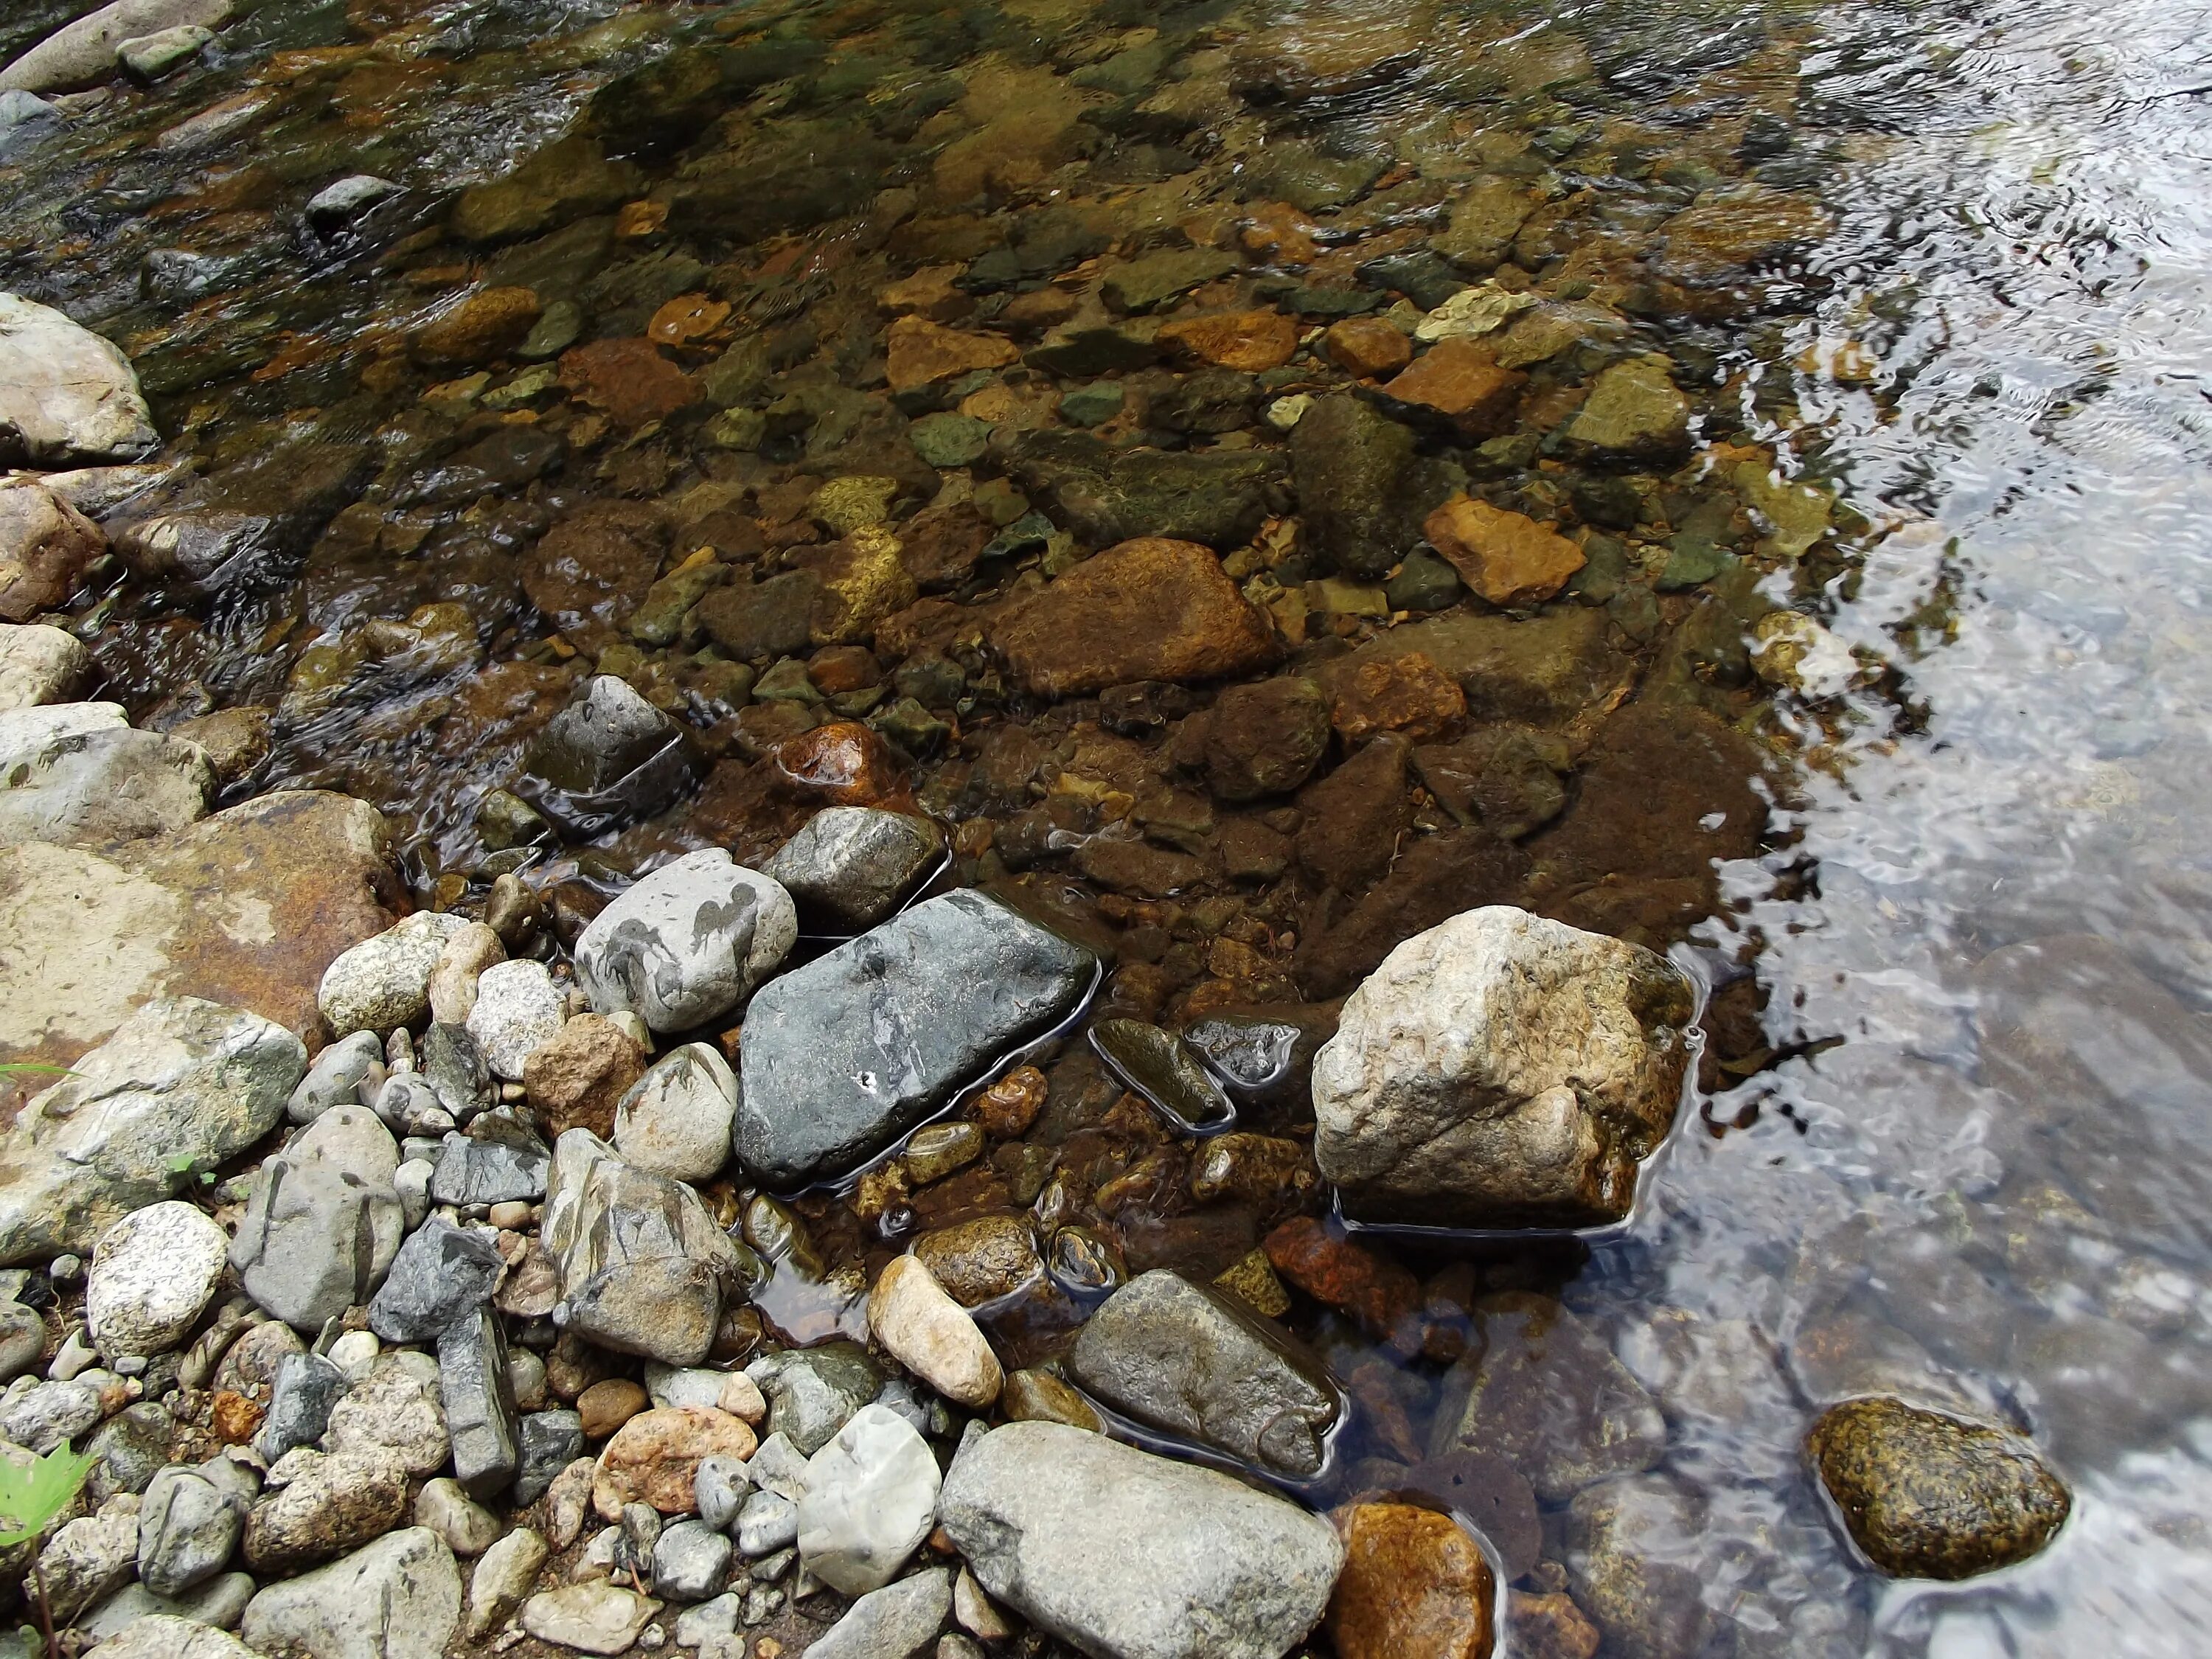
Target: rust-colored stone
{"x": 1383, "y": 1296}
{"x": 1368, "y": 347}
{"x": 45, "y": 546}
{"x": 1408, "y": 694}
{"x": 576, "y": 1077}
{"x": 686, "y": 317}
{"x": 1461, "y": 380}
{"x": 1550, "y": 1627}
{"x": 628, "y": 379}
{"x": 920, "y": 353}
{"x": 1009, "y": 1106}
{"x": 1414, "y": 1586}
{"x": 653, "y": 1458}
{"x": 1150, "y": 608}
{"x": 235, "y": 1418}
{"x": 1507, "y": 557}
{"x": 485, "y": 326}
{"x": 840, "y": 668}
{"x": 1253, "y": 341}
{"x": 842, "y": 764}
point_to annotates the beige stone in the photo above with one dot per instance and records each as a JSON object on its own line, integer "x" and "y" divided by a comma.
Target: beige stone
{"x": 932, "y": 1335}
{"x": 1507, "y": 557}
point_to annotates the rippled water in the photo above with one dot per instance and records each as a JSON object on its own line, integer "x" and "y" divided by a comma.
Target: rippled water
{"x": 1961, "y": 1141}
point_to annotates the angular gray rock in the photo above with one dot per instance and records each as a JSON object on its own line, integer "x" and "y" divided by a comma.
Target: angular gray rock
{"x": 691, "y": 1563}
{"x": 101, "y": 787}
{"x": 1195, "y": 1362}
{"x": 307, "y": 1386}
{"x": 548, "y": 1441}
{"x": 65, "y": 393}
{"x": 843, "y": 1056}
{"x": 453, "y": 1065}
{"x": 688, "y": 942}
{"x": 442, "y": 1272}
{"x": 607, "y": 757}
{"x": 480, "y": 1169}
{"x": 336, "y": 1077}
{"x": 351, "y": 1138}
{"x": 478, "y": 1397}
{"x": 1502, "y": 1070}
{"x": 849, "y": 866}
{"x": 644, "y": 1269}
{"x": 675, "y": 1119}
{"x": 870, "y": 1499}
{"x": 182, "y": 1085}
{"x": 384, "y": 982}
{"x": 811, "y": 1392}
{"x": 896, "y": 1622}
{"x": 1126, "y": 1554}
{"x": 189, "y": 1524}
{"x": 399, "y": 1596}
{"x": 134, "y": 1621}
{"x": 315, "y": 1240}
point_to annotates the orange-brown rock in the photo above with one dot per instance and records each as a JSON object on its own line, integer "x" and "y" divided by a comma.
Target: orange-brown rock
{"x": 653, "y": 1458}
{"x": 45, "y": 546}
{"x": 1460, "y": 380}
{"x": 1009, "y": 1106}
{"x": 1408, "y": 694}
{"x": 841, "y": 764}
{"x": 929, "y": 293}
{"x": 235, "y": 1418}
{"x": 628, "y": 379}
{"x": 841, "y": 668}
{"x": 1506, "y": 557}
{"x": 1342, "y": 1273}
{"x": 608, "y": 1404}
{"x": 1279, "y": 233}
{"x": 1550, "y": 1627}
{"x": 577, "y": 1077}
{"x": 1367, "y": 347}
{"x": 1253, "y": 341}
{"x": 921, "y": 353}
{"x": 1150, "y": 608}
{"x": 1414, "y": 1586}
{"x": 686, "y": 317}
{"x": 485, "y": 326}
{"x": 245, "y": 908}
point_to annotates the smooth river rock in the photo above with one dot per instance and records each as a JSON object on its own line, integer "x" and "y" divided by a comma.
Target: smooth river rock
{"x": 401, "y": 1595}
{"x": 84, "y": 51}
{"x": 185, "y": 1084}
{"x": 152, "y": 1275}
{"x": 849, "y": 866}
{"x": 1194, "y": 1362}
{"x": 843, "y": 1056}
{"x": 1130, "y": 1555}
{"x": 688, "y": 942}
{"x": 1502, "y": 1070}
{"x": 66, "y": 394}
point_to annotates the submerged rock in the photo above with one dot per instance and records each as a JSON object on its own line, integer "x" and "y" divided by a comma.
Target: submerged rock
{"x": 1502, "y": 1070}
{"x": 1414, "y": 1586}
{"x": 1217, "y": 498}
{"x": 45, "y": 546}
{"x": 65, "y": 393}
{"x": 843, "y": 1056}
{"x": 1926, "y": 1496}
{"x": 1153, "y": 609}
{"x": 1124, "y": 1553}
{"x": 1193, "y": 1361}
{"x": 1350, "y": 464}
{"x": 184, "y": 1085}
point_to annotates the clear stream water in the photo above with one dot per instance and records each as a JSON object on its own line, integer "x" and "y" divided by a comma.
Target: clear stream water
{"x": 1968, "y": 1153}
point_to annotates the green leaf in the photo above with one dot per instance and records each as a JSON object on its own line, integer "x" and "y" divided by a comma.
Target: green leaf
{"x": 34, "y": 1493}
{"x": 26, "y": 1067}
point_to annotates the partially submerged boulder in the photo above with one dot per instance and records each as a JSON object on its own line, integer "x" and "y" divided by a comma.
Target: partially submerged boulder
{"x": 1502, "y": 1071}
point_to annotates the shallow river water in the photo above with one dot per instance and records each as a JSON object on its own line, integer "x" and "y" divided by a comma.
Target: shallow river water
{"x": 1937, "y": 281}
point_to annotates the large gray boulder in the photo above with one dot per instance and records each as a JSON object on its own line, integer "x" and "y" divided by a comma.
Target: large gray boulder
{"x": 644, "y": 1269}
{"x": 687, "y": 943}
{"x": 1194, "y": 1362}
{"x": 316, "y": 1239}
{"x": 401, "y": 1595}
{"x": 844, "y": 1055}
{"x": 183, "y": 1084}
{"x": 65, "y": 393}
{"x": 1130, "y": 1555}
{"x": 1501, "y": 1070}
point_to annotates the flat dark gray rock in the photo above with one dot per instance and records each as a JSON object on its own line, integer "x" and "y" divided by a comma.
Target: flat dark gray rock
{"x": 841, "y": 1057}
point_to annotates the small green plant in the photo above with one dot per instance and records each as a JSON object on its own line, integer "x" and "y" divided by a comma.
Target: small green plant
{"x": 32, "y": 1494}
{"x": 30, "y": 1068}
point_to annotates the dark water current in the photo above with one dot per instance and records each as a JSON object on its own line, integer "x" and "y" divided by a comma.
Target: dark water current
{"x": 1947, "y": 265}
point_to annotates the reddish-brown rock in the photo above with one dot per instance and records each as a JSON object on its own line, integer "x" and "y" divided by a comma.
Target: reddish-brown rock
{"x": 653, "y": 1458}
{"x": 1460, "y": 379}
{"x": 247, "y": 907}
{"x": 939, "y": 543}
{"x": 45, "y": 545}
{"x": 1408, "y": 694}
{"x": 576, "y": 1077}
{"x": 1341, "y": 1273}
{"x": 1253, "y": 341}
{"x": 485, "y": 326}
{"x": 1009, "y": 1106}
{"x": 1368, "y": 347}
{"x": 921, "y": 353}
{"x": 1150, "y": 608}
{"x": 1414, "y": 1586}
{"x": 594, "y": 568}
{"x": 1508, "y": 558}
{"x": 841, "y": 764}
{"x": 1550, "y": 1627}
{"x": 628, "y": 379}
